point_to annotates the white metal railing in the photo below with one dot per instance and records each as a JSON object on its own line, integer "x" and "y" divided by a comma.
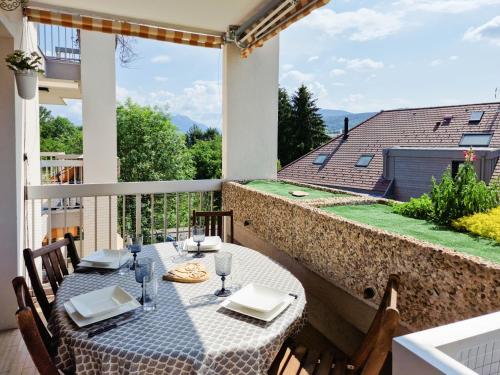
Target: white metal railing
{"x": 59, "y": 42}
{"x": 61, "y": 171}
{"x": 107, "y": 212}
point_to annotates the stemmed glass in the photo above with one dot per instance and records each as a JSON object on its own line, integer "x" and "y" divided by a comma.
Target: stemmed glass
{"x": 144, "y": 268}
{"x": 198, "y": 237}
{"x": 223, "y": 261}
{"x": 134, "y": 245}
{"x": 181, "y": 251}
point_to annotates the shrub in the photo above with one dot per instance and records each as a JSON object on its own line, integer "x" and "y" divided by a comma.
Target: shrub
{"x": 418, "y": 208}
{"x": 463, "y": 195}
{"x": 483, "y": 224}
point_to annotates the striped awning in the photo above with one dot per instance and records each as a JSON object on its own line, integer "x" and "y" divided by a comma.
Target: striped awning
{"x": 274, "y": 21}
{"x": 122, "y": 27}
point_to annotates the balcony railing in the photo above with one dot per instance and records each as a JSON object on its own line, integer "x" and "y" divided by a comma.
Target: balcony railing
{"x": 59, "y": 43}
{"x": 107, "y": 213}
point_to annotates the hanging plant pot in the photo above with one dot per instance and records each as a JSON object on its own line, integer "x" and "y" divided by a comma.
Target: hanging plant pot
{"x": 27, "y": 83}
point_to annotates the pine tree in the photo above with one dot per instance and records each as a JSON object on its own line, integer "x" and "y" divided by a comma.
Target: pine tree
{"x": 285, "y": 128}
{"x": 310, "y": 130}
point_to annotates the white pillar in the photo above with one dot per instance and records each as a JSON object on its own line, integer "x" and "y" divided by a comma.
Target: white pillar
{"x": 15, "y": 115}
{"x": 250, "y": 112}
{"x": 99, "y": 132}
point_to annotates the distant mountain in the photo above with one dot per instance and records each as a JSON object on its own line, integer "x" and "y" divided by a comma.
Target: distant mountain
{"x": 183, "y": 123}
{"x": 334, "y": 118}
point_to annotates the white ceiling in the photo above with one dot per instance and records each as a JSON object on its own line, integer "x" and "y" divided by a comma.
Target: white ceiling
{"x": 195, "y": 15}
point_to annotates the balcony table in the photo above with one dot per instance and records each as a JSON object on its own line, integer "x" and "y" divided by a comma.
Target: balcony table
{"x": 183, "y": 336}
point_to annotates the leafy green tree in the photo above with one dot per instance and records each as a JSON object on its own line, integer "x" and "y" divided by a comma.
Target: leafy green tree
{"x": 149, "y": 146}
{"x": 207, "y": 158}
{"x": 58, "y": 134}
{"x": 310, "y": 129}
{"x": 300, "y": 125}
{"x": 196, "y": 133}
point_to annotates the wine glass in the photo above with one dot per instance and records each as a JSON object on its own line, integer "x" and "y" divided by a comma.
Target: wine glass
{"x": 134, "y": 245}
{"x": 144, "y": 267}
{"x": 223, "y": 261}
{"x": 198, "y": 237}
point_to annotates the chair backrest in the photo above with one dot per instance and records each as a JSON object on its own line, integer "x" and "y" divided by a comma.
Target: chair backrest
{"x": 33, "y": 331}
{"x": 371, "y": 355}
{"x": 214, "y": 223}
{"x": 55, "y": 266}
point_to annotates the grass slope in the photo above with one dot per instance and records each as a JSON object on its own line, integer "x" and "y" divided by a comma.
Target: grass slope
{"x": 283, "y": 189}
{"x": 381, "y": 216}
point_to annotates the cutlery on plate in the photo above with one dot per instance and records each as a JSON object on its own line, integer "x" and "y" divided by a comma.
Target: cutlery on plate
{"x": 109, "y": 327}
{"x": 293, "y": 295}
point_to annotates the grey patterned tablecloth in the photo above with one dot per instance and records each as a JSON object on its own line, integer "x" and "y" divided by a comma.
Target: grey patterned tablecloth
{"x": 186, "y": 334}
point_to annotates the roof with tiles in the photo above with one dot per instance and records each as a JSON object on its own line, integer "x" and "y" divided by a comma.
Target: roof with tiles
{"x": 418, "y": 127}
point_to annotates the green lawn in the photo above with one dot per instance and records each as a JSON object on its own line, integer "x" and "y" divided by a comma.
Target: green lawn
{"x": 381, "y": 216}
{"x": 283, "y": 189}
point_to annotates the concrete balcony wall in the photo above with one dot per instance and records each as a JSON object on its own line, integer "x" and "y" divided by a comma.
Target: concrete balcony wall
{"x": 438, "y": 285}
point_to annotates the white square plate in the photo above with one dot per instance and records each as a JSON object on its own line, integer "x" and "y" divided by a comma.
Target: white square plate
{"x": 211, "y": 243}
{"x": 265, "y": 316}
{"x": 100, "y": 301}
{"x": 107, "y": 259}
{"x": 80, "y": 321}
{"x": 258, "y": 297}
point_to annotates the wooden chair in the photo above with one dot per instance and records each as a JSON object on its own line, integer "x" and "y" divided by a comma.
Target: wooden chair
{"x": 214, "y": 223}
{"x": 35, "y": 335}
{"x": 367, "y": 360}
{"x": 55, "y": 267}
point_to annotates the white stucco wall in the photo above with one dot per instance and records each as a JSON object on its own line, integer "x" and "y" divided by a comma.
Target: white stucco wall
{"x": 99, "y": 133}
{"x": 250, "y": 112}
{"x": 16, "y": 116}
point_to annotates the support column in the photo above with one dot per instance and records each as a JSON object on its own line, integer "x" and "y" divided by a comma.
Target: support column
{"x": 250, "y": 112}
{"x": 16, "y": 116}
{"x": 98, "y": 79}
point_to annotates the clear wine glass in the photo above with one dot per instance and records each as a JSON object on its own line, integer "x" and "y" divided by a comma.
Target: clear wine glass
{"x": 198, "y": 237}
{"x": 223, "y": 261}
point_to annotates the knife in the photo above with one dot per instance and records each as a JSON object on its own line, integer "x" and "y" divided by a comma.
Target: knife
{"x": 109, "y": 327}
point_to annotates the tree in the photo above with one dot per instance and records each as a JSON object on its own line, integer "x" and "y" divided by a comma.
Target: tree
{"x": 58, "y": 134}
{"x": 285, "y": 128}
{"x": 310, "y": 129}
{"x": 149, "y": 146}
{"x": 300, "y": 126}
{"x": 196, "y": 133}
{"x": 207, "y": 158}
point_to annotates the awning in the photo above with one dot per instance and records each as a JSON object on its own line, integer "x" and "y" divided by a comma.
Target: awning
{"x": 122, "y": 27}
{"x": 273, "y": 21}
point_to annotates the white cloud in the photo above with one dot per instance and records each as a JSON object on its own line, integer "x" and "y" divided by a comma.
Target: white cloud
{"x": 360, "y": 25}
{"x": 161, "y": 79}
{"x": 286, "y": 67}
{"x": 361, "y": 64}
{"x": 312, "y": 58}
{"x": 161, "y": 59}
{"x": 201, "y": 101}
{"x": 337, "y": 72}
{"x": 446, "y": 6}
{"x": 338, "y": 84}
{"x": 297, "y": 76}
{"x": 490, "y": 31}
{"x": 436, "y": 62}
{"x": 454, "y": 58}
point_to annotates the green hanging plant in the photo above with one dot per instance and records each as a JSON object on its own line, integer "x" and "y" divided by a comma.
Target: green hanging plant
{"x": 21, "y": 61}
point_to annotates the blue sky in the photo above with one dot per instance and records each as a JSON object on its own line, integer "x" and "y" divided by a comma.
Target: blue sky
{"x": 358, "y": 56}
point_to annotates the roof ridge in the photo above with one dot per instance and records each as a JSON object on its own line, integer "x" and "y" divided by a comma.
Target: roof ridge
{"x": 438, "y": 106}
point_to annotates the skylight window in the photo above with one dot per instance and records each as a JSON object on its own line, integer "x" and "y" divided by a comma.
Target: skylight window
{"x": 476, "y": 116}
{"x": 320, "y": 159}
{"x": 364, "y": 160}
{"x": 475, "y": 140}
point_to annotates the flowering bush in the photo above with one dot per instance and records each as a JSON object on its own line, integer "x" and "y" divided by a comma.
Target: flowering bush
{"x": 485, "y": 224}
{"x": 463, "y": 195}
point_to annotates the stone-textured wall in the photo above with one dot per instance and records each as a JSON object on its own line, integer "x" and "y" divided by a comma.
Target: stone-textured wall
{"x": 438, "y": 285}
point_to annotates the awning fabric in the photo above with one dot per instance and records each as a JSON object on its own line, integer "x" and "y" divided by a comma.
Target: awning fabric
{"x": 283, "y": 15}
{"x": 121, "y": 27}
